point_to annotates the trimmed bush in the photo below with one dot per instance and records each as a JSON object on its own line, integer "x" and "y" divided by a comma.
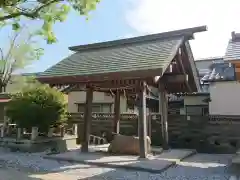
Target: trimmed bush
{"x": 40, "y": 106}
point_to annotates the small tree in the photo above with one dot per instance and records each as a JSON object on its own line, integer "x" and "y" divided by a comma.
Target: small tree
{"x": 23, "y": 50}
{"x": 40, "y": 106}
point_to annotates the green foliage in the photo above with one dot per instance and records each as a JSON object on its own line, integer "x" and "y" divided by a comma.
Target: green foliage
{"x": 19, "y": 82}
{"x": 41, "y": 106}
{"x": 22, "y": 51}
{"x": 48, "y": 11}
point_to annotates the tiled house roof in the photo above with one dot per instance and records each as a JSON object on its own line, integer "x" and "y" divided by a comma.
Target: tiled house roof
{"x": 134, "y": 54}
{"x": 220, "y": 72}
{"x": 204, "y": 64}
{"x": 233, "y": 49}
{"x": 118, "y": 59}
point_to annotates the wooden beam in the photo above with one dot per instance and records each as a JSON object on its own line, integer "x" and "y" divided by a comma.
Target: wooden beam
{"x": 116, "y": 126}
{"x": 87, "y": 119}
{"x": 142, "y": 121}
{"x": 180, "y": 57}
{"x": 163, "y": 111}
{"x": 174, "y": 78}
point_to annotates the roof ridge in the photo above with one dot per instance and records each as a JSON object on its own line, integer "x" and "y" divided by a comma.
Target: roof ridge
{"x": 209, "y": 58}
{"x": 165, "y": 35}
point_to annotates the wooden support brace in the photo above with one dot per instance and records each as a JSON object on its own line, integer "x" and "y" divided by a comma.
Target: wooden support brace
{"x": 180, "y": 60}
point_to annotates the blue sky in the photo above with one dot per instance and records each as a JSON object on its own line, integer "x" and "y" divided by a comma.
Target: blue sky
{"x": 115, "y": 19}
{"x": 107, "y": 22}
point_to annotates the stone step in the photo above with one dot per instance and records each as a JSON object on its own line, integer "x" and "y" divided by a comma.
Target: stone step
{"x": 156, "y": 149}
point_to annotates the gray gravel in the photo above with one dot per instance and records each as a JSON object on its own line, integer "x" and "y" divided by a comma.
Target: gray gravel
{"x": 200, "y": 166}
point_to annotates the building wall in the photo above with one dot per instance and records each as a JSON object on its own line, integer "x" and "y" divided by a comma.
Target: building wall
{"x": 98, "y": 97}
{"x": 225, "y": 99}
{"x": 195, "y": 105}
{"x": 194, "y": 100}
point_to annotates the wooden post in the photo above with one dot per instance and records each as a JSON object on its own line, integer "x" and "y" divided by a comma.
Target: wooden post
{"x": 87, "y": 119}
{"x": 142, "y": 121}
{"x": 116, "y": 126}
{"x": 163, "y": 111}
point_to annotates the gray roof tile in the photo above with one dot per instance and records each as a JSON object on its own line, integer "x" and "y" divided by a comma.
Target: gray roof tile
{"x": 233, "y": 48}
{"x": 220, "y": 72}
{"x": 233, "y": 51}
{"x": 130, "y": 57}
{"x": 148, "y": 52}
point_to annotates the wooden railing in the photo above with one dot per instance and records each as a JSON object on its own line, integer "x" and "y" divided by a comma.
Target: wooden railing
{"x": 96, "y": 140}
{"x": 102, "y": 122}
{"x": 102, "y": 116}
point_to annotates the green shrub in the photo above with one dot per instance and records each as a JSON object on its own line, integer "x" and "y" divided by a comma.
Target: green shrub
{"x": 40, "y": 106}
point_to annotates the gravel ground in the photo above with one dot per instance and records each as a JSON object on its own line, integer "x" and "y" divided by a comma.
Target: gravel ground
{"x": 197, "y": 167}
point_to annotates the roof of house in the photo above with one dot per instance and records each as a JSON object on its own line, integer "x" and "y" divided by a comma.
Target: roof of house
{"x": 144, "y": 53}
{"x": 215, "y": 58}
{"x": 220, "y": 72}
{"x": 203, "y": 64}
{"x": 233, "y": 48}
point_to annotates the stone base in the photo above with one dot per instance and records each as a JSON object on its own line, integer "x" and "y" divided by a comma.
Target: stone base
{"x": 54, "y": 144}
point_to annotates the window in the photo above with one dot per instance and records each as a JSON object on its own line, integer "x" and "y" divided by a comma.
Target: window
{"x": 97, "y": 107}
{"x": 197, "y": 110}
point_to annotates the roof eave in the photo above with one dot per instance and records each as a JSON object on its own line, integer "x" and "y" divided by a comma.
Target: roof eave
{"x": 72, "y": 79}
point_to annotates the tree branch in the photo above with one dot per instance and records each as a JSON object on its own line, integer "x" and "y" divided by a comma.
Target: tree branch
{"x": 32, "y": 15}
{"x": 2, "y": 55}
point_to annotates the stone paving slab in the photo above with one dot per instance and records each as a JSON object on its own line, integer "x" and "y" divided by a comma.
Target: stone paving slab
{"x": 13, "y": 175}
{"x": 236, "y": 159}
{"x": 175, "y": 154}
{"x": 52, "y": 176}
{"x": 128, "y": 162}
{"x": 7, "y": 174}
{"x": 155, "y": 164}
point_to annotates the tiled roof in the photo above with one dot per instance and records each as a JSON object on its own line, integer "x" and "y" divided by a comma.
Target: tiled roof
{"x": 143, "y": 56}
{"x": 233, "y": 48}
{"x": 203, "y": 64}
{"x": 216, "y": 58}
{"x": 220, "y": 72}
{"x": 141, "y": 53}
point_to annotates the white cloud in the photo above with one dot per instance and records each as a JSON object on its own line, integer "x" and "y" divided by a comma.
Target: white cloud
{"x": 222, "y": 17}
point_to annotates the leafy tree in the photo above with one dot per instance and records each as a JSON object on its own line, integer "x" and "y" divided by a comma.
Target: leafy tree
{"x": 48, "y": 11}
{"x": 22, "y": 51}
{"x": 41, "y": 107}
